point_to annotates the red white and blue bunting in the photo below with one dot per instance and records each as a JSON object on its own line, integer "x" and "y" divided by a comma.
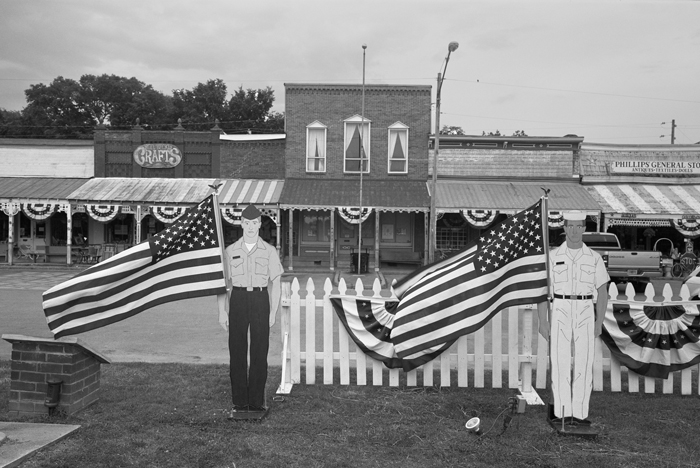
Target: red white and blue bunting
{"x": 232, "y": 215}
{"x": 11, "y": 208}
{"x": 653, "y": 340}
{"x": 555, "y": 219}
{"x": 479, "y": 218}
{"x": 39, "y": 211}
{"x": 167, "y": 214}
{"x": 102, "y": 213}
{"x": 687, "y": 227}
{"x": 270, "y": 213}
{"x": 352, "y": 215}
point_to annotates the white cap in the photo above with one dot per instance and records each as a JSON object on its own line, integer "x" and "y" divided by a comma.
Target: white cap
{"x": 574, "y": 215}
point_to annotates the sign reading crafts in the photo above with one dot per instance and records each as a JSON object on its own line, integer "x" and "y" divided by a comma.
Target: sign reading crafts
{"x": 157, "y": 155}
{"x": 655, "y": 167}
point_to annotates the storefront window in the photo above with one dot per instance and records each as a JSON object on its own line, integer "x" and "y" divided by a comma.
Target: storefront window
{"x": 119, "y": 231}
{"x": 80, "y": 229}
{"x": 4, "y": 227}
{"x": 316, "y": 226}
{"x": 58, "y": 229}
{"x": 25, "y": 226}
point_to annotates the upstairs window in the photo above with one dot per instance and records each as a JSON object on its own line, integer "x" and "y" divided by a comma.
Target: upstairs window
{"x": 316, "y": 147}
{"x": 398, "y": 149}
{"x": 357, "y": 144}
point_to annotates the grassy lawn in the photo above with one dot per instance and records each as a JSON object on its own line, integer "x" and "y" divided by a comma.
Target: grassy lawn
{"x": 173, "y": 415}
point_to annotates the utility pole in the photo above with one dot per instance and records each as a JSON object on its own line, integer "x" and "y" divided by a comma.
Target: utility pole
{"x": 673, "y": 131}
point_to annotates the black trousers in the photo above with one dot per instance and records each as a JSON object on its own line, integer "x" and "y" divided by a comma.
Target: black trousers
{"x": 248, "y": 309}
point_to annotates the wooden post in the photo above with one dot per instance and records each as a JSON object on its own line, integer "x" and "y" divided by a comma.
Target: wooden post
{"x": 286, "y": 384}
{"x": 69, "y": 232}
{"x": 291, "y": 239}
{"x": 376, "y": 240}
{"x": 332, "y": 249}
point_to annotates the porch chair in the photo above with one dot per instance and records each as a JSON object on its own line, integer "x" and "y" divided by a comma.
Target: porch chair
{"x": 23, "y": 251}
{"x": 94, "y": 253}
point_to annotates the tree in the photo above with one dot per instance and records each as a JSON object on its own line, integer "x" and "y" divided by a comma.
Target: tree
{"x": 202, "y": 105}
{"x": 11, "y": 124}
{"x": 55, "y": 111}
{"x": 71, "y": 109}
{"x": 250, "y": 110}
{"x": 451, "y": 130}
{"x": 519, "y": 133}
{"x": 498, "y": 133}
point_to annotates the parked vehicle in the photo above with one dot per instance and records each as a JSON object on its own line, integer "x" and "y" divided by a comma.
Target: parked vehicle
{"x": 693, "y": 283}
{"x": 624, "y": 265}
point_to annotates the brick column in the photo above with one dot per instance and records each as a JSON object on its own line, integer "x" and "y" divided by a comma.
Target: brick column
{"x": 35, "y": 361}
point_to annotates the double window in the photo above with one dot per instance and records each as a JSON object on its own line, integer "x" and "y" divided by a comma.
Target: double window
{"x": 357, "y": 140}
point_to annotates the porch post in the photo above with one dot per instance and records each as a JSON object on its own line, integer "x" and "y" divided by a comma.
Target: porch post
{"x": 138, "y": 225}
{"x": 69, "y": 232}
{"x": 376, "y": 239}
{"x": 332, "y": 259}
{"x": 426, "y": 230}
{"x": 291, "y": 239}
{"x": 278, "y": 227}
{"x": 11, "y": 236}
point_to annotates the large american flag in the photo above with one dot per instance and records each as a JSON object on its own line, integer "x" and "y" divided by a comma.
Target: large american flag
{"x": 180, "y": 262}
{"x": 443, "y": 301}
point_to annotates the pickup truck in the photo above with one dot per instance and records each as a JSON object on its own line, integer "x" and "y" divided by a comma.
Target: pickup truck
{"x": 624, "y": 265}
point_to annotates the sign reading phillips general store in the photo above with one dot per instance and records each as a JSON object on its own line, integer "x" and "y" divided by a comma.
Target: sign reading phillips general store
{"x": 655, "y": 167}
{"x": 157, "y": 155}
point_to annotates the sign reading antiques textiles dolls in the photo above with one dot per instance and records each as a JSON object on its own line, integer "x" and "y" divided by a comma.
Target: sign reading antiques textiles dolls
{"x": 655, "y": 167}
{"x": 157, "y": 155}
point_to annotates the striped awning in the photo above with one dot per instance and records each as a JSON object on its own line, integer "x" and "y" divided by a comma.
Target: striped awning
{"x": 176, "y": 192}
{"x": 653, "y": 201}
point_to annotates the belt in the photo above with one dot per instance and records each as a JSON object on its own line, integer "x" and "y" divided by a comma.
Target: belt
{"x": 573, "y": 297}
{"x": 248, "y": 288}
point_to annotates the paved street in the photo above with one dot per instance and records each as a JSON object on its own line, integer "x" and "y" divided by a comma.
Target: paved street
{"x": 185, "y": 331}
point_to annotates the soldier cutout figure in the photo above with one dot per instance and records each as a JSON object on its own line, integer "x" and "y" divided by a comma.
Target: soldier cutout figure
{"x": 579, "y": 297}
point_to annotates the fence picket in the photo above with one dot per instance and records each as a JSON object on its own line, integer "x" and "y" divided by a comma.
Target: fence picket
{"x": 497, "y": 350}
{"x": 520, "y": 325}
{"x": 513, "y": 349}
{"x": 295, "y": 332}
{"x": 328, "y": 316}
{"x": 479, "y": 359}
{"x": 310, "y": 337}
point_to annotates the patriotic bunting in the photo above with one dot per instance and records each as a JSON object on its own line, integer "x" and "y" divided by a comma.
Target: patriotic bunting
{"x": 653, "y": 340}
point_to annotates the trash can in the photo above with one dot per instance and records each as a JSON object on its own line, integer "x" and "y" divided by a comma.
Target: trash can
{"x": 363, "y": 266}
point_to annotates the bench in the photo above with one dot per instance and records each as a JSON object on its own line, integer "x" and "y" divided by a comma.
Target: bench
{"x": 401, "y": 256}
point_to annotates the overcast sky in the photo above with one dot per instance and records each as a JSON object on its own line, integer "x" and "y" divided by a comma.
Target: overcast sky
{"x": 610, "y": 71}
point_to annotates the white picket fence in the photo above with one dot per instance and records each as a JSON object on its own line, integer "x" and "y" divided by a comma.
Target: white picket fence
{"x": 508, "y": 344}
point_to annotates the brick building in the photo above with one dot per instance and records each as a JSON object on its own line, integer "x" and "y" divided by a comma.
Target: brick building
{"x": 328, "y": 143}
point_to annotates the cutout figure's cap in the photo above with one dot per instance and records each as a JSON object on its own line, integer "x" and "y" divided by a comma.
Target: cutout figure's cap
{"x": 251, "y": 212}
{"x": 574, "y": 215}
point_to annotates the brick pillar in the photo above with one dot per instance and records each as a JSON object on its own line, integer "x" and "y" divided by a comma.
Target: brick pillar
{"x": 35, "y": 361}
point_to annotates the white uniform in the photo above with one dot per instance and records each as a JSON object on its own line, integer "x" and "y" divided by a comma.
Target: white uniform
{"x": 576, "y": 276}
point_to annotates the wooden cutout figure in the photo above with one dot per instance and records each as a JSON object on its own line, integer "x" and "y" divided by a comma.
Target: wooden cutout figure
{"x": 579, "y": 297}
{"x": 254, "y": 271}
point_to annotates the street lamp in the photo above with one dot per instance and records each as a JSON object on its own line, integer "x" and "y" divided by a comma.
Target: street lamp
{"x": 433, "y": 196}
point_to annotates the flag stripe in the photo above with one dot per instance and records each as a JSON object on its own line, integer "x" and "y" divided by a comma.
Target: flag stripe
{"x": 110, "y": 286}
{"x": 182, "y": 261}
{"x": 118, "y": 302}
{"x": 505, "y": 268}
{"x": 80, "y": 326}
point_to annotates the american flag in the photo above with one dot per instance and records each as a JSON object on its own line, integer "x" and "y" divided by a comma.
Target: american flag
{"x": 368, "y": 321}
{"x": 182, "y": 261}
{"x": 443, "y": 301}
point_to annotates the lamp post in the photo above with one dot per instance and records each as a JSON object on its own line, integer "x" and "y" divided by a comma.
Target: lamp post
{"x": 433, "y": 196}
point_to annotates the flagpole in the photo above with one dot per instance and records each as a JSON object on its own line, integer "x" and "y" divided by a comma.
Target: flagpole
{"x": 545, "y": 234}
{"x": 220, "y": 232}
{"x": 362, "y": 166}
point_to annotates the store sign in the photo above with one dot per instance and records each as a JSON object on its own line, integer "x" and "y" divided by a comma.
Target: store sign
{"x": 157, "y": 155}
{"x": 655, "y": 167}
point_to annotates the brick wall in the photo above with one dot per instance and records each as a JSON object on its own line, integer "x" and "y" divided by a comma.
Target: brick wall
{"x": 252, "y": 159}
{"x": 34, "y": 363}
{"x": 331, "y": 105}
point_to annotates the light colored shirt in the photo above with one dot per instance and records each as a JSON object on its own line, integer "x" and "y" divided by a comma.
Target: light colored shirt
{"x": 254, "y": 268}
{"x": 577, "y": 271}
